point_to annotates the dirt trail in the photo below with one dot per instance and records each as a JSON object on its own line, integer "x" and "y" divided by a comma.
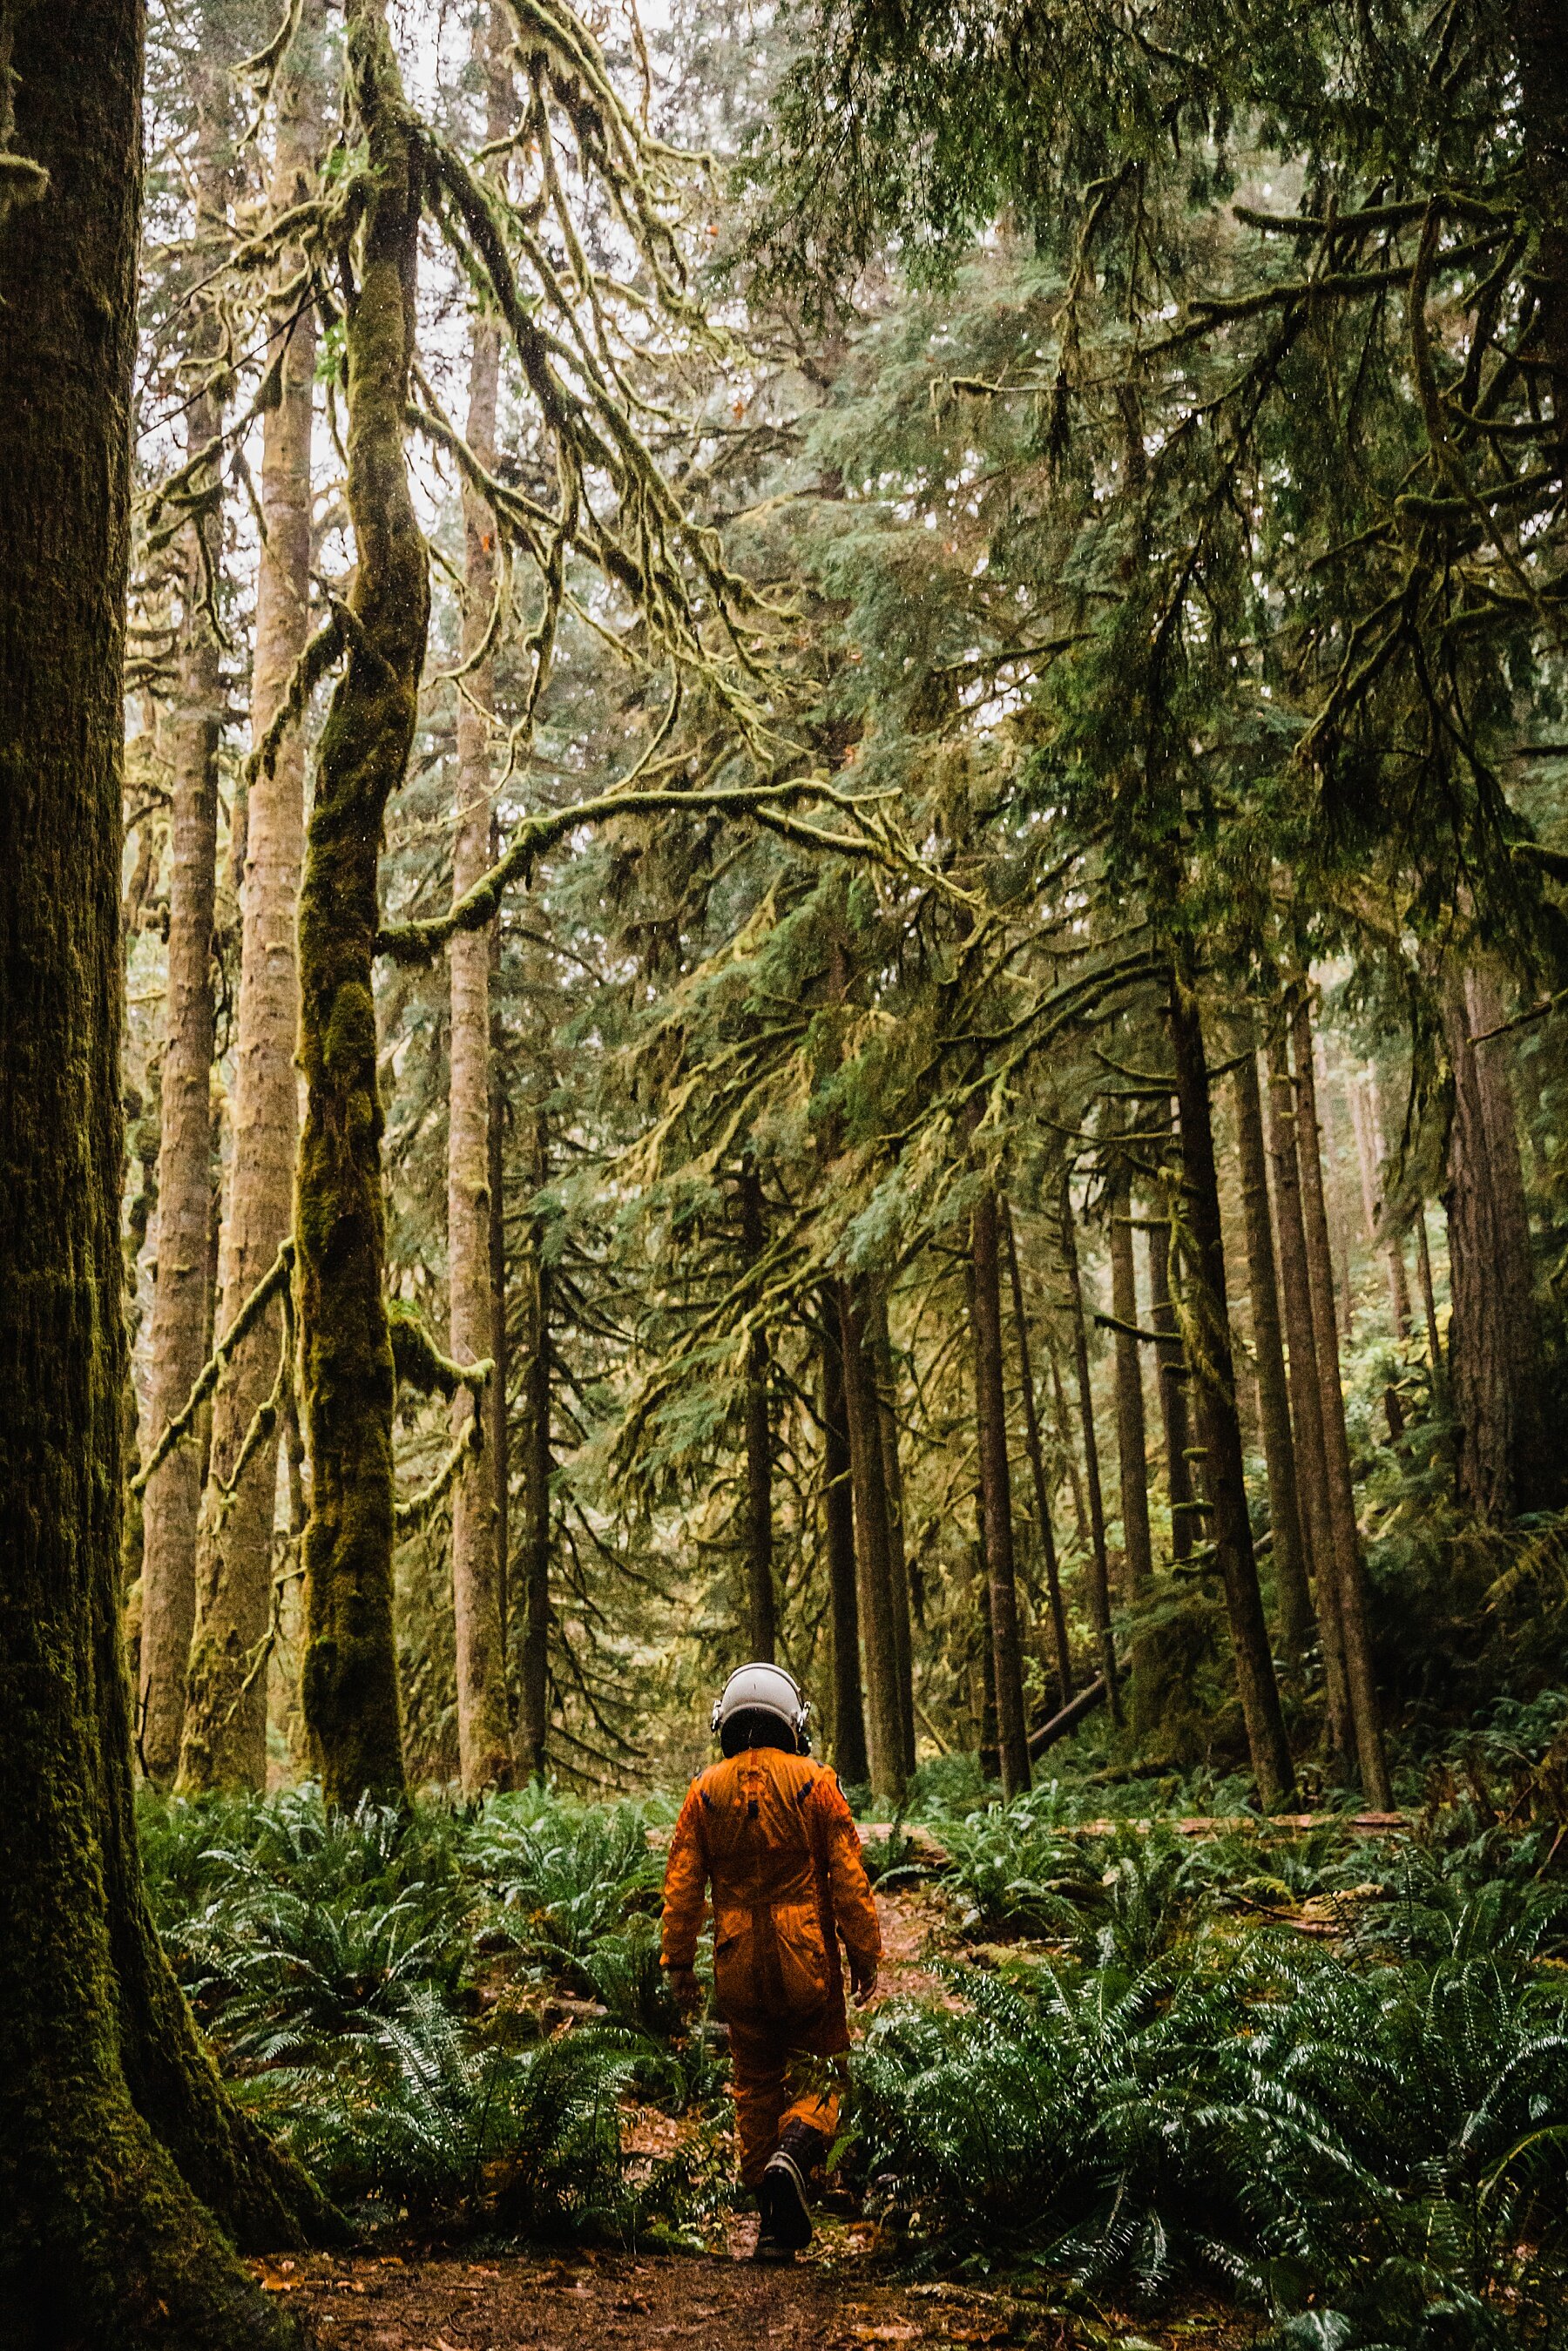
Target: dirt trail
{"x": 833, "y": 2300}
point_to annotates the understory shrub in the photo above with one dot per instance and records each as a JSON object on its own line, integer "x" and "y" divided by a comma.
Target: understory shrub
{"x": 1377, "y": 2150}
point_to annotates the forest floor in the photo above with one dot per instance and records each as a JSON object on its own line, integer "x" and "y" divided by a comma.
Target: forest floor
{"x": 838, "y": 2298}
{"x": 844, "y": 2294}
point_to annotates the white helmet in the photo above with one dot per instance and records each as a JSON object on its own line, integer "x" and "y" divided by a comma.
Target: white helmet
{"x": 763, "y": 1689}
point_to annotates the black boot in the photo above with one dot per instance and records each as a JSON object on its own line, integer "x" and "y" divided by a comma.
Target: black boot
{"x": 786, "y": 2227}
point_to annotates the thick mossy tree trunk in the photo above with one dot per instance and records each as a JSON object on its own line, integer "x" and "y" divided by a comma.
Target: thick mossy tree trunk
{"x": 838, "y": 1537}
{"x": 349, "y": 1690}
{"x": 179, "y": 1326}
{"x": 996, "y": 1488}
{"x": 224, "y": 1743}
{"x": 1099, "y": 1559}
{"x": 533, "y": 1674}
{"x": 761, "y": 1607}
{"x": 1367, "y": 1719}
{"x": 1132, "y": 1442}
{"x": 484, "y": 1728}
{"x": 1219, "y": 1428}
{"x": 868, "y": 1479}
{"x": 124, "y": 2169}
{"x": 1494, "y": 1348}
{"x": 1292, "y": 1582}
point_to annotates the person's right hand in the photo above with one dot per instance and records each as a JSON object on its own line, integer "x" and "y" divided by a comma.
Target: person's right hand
{"x": 862, "y": 1980}
{"x": 688, "y": 1992}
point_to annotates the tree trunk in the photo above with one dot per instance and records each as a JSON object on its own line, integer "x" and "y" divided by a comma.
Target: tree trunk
{"x": 996, "y": 1488}
{"x": 123, "y": 2166}
{"x": 1132, "y": 1454}
{"x": 760, "y": 1605}
{"x": 1536, "y": 30}
{"x": 538, "y": 1465}
{"x": 1064, "y": 1425}
{"x": 1306, "y": 1399}
{"x": 1220, "y": 1430}
{"x": 1171, "y": 1359}
{"x": 1037, "y": 1470}
{"x": 839, "y": 1531}
{"x": 1291, "y": 1583}
{"x": 892, "y": 1485}
{"x": 349, "y": 1678}
{"x": 1493, "y": 1336}
{"x": 1100, "y": 1565}
{"x": 497, "y": 1394}
{"x": 182, "y": 1298}
{"x": 1428, "y": 1296}
{"x": 224, "y": 1743}
{"x": 884, "y": 1719}
{"x": 1369, "y": 1166}
{"x": 483, "y": 1730}
{"x": 1365, "y": 1714}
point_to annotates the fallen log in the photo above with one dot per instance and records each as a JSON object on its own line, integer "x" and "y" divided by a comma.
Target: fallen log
{"x": 1069, "y": 1718}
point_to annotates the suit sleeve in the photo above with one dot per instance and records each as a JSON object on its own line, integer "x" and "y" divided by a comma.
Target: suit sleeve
{"x": 686, "y": 1888}
{"x": 855, "y": 1907}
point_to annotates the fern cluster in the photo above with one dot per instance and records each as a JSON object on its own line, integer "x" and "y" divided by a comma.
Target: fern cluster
{"x": 1372, "y": 2151}
{"x": 365, "y": 1979}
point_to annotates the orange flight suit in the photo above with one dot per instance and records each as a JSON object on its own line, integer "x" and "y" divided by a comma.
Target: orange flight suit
{"x": 773, "y": 1836}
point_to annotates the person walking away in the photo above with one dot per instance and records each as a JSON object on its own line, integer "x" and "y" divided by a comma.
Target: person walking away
{"x": 769, "y": 1830}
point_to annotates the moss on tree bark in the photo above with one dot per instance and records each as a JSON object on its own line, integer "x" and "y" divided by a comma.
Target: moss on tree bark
{"x": 125, "y": 2170}
{"x": 348, "y": 1680}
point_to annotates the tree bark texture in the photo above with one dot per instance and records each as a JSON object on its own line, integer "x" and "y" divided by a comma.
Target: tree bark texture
{"x": 874, "y": 1564}
{"x": 839, "y": 1535}
{"x": 1351, "y": 1569}
{"x": 1220, "y": 1429}
{"x": 995, "y": 1487}
{"x": 1047, "y": 1532}
{"x": 224, "y": 1741}
{"x": 761, "y": 1607}
{"x": 1306, "y": 1397}
{"x": 533, "y": 1675}
{"x": 348, "y": 1678}
{"x": 1494, "y": 1348}
{"x": 125, "y": 2170}
{"x": 1292, "y": 1582}
{"x": 483, "y": 1728}
{"x": 1098, "y": 1560}
{"x": 182, "y": 1296}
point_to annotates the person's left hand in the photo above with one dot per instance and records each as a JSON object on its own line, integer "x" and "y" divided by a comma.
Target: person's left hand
{"x": 862, "y": 1980}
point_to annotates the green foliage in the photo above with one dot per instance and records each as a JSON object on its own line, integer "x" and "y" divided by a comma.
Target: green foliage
{"x": 565, "y": 1880}
{"x": 425, "y": 2120}
{"x": 1380, "y": 2143}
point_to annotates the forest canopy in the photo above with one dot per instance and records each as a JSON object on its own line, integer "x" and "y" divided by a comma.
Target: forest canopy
{"x": 783, "y": 880}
